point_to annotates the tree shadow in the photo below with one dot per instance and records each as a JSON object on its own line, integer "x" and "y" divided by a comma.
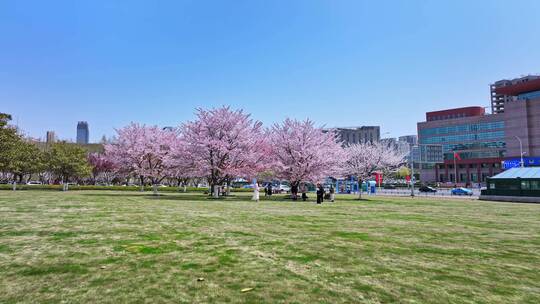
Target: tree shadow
{"x": 200, "y": 197}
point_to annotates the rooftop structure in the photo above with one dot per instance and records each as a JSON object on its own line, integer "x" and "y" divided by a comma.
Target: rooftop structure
{"x": 501, "y": 94}
{"x": 355, "y": 135}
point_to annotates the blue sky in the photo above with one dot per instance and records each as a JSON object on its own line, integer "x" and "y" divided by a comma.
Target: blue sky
{"x": 340, "y": 63}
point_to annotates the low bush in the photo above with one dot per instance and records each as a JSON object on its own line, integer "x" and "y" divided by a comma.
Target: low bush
{"x": 114, "y": 188}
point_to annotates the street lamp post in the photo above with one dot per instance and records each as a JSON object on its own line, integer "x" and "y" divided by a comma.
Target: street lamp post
{"x": 520, "y": 150}
{"x": 412, "y": 177}
{"x": 411, "y": 158}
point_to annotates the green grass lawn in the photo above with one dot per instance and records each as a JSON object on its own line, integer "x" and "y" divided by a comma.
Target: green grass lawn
{"x": 115, "y": 247}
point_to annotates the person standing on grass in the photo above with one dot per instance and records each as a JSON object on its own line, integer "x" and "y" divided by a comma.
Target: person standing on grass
{"x": 269, "y": 189}
{"x": 255, "y": 192}
{"x": 332, "y": 193}
{"x": 303, "y": 190}
{"x": 320, "y": 194}
{"x": 294, "y": 191}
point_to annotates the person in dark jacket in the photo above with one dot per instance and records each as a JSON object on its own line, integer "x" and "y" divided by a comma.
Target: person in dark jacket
{"x": 294, "y": 192}
{"x": 269, "y": 189}
{"x": 320, "y": 193}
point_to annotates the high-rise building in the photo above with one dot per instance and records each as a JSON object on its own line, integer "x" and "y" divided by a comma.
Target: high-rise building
{"x": 410, "y": 139}
{"x": 476, "y": 145}
{"x": 355, "y": 135}
{"x": 498, "y": 98}
{"x": 475, "y": 139}
{"x": 83, "y": 134}
{"x": 400, "y": 146}
{"x": 51, "y": 137}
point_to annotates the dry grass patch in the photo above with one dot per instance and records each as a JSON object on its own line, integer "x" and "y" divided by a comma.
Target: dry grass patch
{"x": 113, "y": 247}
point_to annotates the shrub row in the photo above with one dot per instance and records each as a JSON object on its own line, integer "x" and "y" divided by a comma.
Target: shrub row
{"x": 114, "y": 188}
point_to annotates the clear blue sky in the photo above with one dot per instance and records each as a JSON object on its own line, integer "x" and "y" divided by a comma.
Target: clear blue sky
{"x": 340, "y": 63}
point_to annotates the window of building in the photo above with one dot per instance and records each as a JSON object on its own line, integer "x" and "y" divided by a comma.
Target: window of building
{"x": 534, "y": 185}
{"x": 464, "y": 128}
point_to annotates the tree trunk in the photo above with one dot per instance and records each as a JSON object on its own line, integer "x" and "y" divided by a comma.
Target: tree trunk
{"x": 155, "y": 189}
{"x": 215, "y": 193}
{"x": 360, "y": 188}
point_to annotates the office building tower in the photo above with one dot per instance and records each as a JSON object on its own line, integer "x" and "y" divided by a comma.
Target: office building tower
{"x": 83, "y": 134}
{"x": 51, "y": 137}
{"x": 499, "y": 98}
{"x": 355, "y": 135}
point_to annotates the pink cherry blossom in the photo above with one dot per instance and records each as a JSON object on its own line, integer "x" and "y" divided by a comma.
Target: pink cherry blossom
{"x": 364, "y": 159}
{"x": 223, "y": 144}
{"x": 143, "y": 151}
{"x": 303, "y": 153}
{"x": 102, "y": 167}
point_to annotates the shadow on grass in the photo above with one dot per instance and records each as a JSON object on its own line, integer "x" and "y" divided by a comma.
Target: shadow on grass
{"x": 359, "y": 199}
{"x": 186, "y": 197}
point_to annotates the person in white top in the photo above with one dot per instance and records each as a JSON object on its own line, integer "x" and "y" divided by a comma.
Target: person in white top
{"x": 255, "y": 192}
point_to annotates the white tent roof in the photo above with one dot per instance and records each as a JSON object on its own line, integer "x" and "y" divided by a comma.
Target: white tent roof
{"x": 531, "y": 172}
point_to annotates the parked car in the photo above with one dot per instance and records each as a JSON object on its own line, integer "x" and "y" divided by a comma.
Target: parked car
{"x": 427, "y": 189}
{"x": 461, "y": 191}
{"x": 30, "y": 183}
{"x": 283, "y": 188}
{"x": 389, "y": 186}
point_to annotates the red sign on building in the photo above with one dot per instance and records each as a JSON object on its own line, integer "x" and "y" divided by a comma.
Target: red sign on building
{"x": 378, "y": 177}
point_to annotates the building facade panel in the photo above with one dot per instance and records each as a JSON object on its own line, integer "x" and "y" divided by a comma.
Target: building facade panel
{"x": 473, "y": 146}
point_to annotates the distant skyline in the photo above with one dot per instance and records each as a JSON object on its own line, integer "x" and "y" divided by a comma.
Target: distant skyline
{"x": 339, "y": 63}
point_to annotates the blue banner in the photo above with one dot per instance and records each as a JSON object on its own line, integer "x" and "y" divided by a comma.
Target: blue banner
{"x": 516, "y": 162}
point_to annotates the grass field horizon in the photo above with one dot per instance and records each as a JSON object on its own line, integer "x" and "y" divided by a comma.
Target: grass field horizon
{"x": 106, "y": 246}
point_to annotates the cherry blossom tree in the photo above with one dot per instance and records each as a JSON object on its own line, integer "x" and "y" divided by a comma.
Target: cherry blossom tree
{"x": 144, "y": 151}
{"x": 102, "y": 167}
{"x": 223, "y": 144}
{"x": 181, "y": 165}
{"x": 303, "y": 153}
{"x": 364, "y": 159}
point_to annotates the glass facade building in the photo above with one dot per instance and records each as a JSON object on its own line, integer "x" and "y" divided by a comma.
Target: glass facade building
{"x": 83, "y": 134}
{"x": 472, "y": 145}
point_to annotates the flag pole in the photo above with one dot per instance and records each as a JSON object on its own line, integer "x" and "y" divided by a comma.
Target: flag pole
{"x": 455, "y": 169}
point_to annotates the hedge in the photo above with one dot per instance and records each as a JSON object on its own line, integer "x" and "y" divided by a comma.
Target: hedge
{"x": 114, "y": 188}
